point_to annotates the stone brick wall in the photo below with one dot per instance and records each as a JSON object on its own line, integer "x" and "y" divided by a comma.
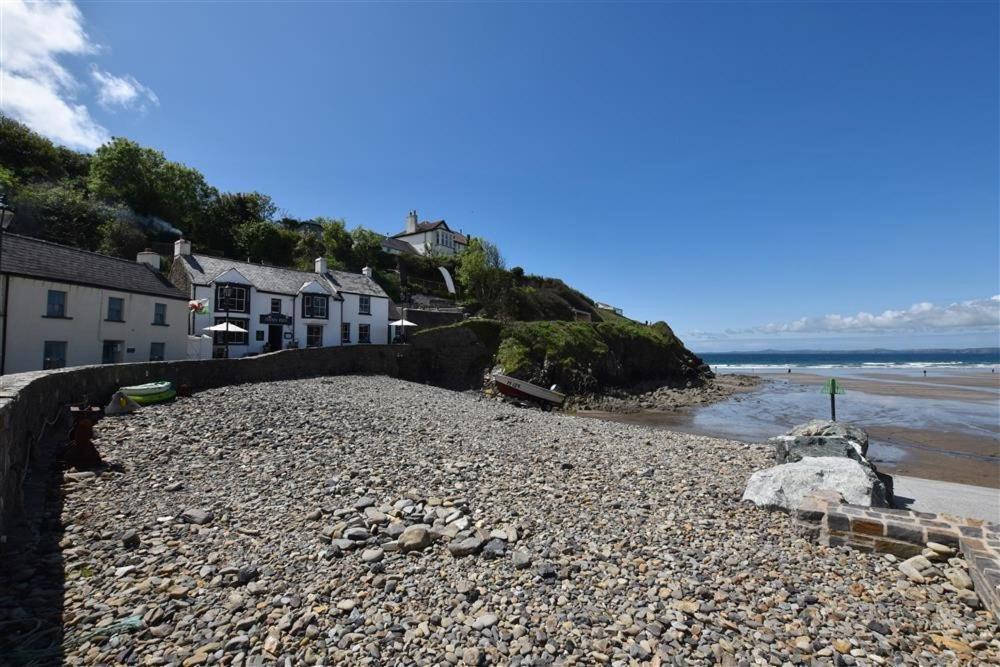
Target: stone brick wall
{"x": 904, "y": 533}
{"x": 29, "y": 400}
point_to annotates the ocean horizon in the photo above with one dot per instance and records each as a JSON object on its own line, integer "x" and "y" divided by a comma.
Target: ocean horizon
{"x": 969, "y": 358}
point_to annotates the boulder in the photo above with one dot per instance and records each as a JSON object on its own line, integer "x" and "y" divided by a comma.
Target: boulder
{"x": 792, "y": 448}
{"x": 825, "y": 427}
{"x": 785, "y": 486}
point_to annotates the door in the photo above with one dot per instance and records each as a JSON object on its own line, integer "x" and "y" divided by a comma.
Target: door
{"x": 274, "y": 332}
{"x": 113, "y": 352}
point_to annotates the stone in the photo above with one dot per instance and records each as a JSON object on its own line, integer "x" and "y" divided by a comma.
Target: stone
{"x": 826, "y": 427}
{"x": 911, "y": 572}
{"x": 958, "y": 578}
{"x": 521, "y": 559}
{"x": 465, "y": 547}
{"x": 414, "y": 538}
{"x": 471, "y": 656}
{"x": 786, "y": 486}
{"x": 357, "y": 534}
{"x": 372, "y": 555}
{"x": 197, "y": 516}
{"x": 346, "y": 605}
{"x": 364, "y": 503}
{"x": 944, "y": 550}
{"x": 130, "y": 539}
{"x": 495, "y": 548}
{"x": 484, "y": 621}
{"x": 792, "y": 448}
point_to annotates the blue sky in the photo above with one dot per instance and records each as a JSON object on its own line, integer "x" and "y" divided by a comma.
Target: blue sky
{"x": 756, "y": 174}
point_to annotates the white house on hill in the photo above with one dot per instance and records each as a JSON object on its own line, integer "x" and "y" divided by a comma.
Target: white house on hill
{"x": 63, "y": 306}
{"x": 426, "y": 238}
{"x": 280, "y": 307}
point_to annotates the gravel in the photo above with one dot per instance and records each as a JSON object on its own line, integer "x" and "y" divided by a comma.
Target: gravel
{"x": 365, "y": 520}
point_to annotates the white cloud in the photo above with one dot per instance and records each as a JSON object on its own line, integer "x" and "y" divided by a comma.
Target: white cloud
{"x": 920, "y": 317}
{"x": 35, "y": 86}
{"x": 122, "y": 91}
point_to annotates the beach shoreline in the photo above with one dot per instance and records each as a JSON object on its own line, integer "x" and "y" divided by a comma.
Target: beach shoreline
{"x": 942, "y": 427}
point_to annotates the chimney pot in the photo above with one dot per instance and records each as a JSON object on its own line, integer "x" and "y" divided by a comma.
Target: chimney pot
{"x": 149, "y": 258}
{"x": 320, "y": 265}
{"x": 367, "y": 271}
{"x": 182, "y": 248}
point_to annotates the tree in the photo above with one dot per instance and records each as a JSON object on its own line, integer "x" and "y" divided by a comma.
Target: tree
{"x": 337, "y": 241}
{"x": 482, "y": 276}
{"x": 216, "y": 231}
{"x": 32, "y": 157}
{"x": 120, "y": 237}
{"x": 123, "y": 172}
{"x": 308, "y": 247}
{"x": 61, "y": 213}
{"x": 265, "y": 241}
{"x": 366, "y": 248}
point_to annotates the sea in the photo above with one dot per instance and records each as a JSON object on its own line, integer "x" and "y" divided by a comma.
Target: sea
{"x": 773, "y": 361}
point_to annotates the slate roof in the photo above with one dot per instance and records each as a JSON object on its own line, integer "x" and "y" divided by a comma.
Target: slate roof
{"x": 35, "y": 258}
{"x": 431, "y": 226}
{"x": 392, "y": 243}
{"x": 205, "y": 268}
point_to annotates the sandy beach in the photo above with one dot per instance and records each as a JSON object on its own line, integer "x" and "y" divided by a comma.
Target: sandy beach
{"x": 942, "y": 427}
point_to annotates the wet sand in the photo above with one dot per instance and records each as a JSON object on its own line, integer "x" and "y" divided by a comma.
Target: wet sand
{"x": 943, "y": 388}
{"x": 943, "y": 427}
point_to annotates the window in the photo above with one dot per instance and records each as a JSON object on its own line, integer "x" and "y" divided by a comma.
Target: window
{"x": 314, "y": 306}
{"x": 345, "y": 333}
{"x": 112, "y": 352}
{"x": 237, "y": 298}
{"x": 365, "y": 305}
{"x": 235, "y": 337}
{"x": 116, "y": 309}
{"x": 54, "y": 355}
{"x": 157, "y": 351}
{"x": 57, "y": 304}
{"x": 276, "y": 306}
{"x": 314, "y": 336}
{"x": 364, "y": 333}
{"x": 160, "y": 314}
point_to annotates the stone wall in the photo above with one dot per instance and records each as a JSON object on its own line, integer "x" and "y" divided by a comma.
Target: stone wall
{"x": 28, "y": 401}
{"x": 906, "y": 534}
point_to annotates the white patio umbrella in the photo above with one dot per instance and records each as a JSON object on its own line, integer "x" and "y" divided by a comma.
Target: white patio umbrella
{"x": 402, "y": 323}
{"x": 226, "y": 326}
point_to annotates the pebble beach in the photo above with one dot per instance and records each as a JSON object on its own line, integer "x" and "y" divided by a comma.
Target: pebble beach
{"x": 371, "y": 521}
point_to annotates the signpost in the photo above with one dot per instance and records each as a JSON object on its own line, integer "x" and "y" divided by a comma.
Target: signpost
{"x": 833, "y": 388}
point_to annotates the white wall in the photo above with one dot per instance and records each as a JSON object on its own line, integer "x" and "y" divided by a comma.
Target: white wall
{"x": 378, "y": 320}
{"x": 87, "y": 328}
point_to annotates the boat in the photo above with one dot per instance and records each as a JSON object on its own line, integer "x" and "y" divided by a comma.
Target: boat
{"x": 515, "y": 388}
{"x": 149, "y": 399}
{"x": 147, "y": 389}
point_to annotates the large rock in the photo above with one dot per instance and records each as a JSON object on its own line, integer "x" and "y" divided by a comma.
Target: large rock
{"x": 785, "y": 486}
{"x": 792, "y": 448}
{"x": 825, "y": 427}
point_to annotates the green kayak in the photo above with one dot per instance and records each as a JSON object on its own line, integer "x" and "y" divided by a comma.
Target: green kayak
{"x": 149, "y": 399}
{"x": 147, "y": 389}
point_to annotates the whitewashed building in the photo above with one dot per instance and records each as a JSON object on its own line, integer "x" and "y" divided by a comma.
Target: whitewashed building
{"x": 279, "y": 307}
{"x": 62, "y": 306}
{"x": 426, "y": 238}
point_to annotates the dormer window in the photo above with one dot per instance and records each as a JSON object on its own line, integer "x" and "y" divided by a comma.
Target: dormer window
{"x": 314, "y": 306}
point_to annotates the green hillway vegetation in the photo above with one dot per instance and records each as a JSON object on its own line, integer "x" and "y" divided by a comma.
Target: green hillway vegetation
{"x": 125, "y": 197}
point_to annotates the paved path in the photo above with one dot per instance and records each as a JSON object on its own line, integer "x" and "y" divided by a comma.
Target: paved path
{"x": 928, "y": 495}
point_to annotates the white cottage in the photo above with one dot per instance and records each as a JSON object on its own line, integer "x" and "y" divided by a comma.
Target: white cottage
{"x": 279, "y": 307}
{"x": 425, "y": 238}
{"x": 63, "y": 306}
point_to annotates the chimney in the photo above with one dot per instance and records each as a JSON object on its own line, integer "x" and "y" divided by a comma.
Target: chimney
{"x": 411, "y": 222}
{"x": 367, "y": 271}
{"x": 320, "y": 265}
{"x": 149, "y": 258}
{"x": 182, "y": 248}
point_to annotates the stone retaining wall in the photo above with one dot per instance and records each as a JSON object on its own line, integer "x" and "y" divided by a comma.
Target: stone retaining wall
{"x": 904, "y": 533}
{"x": 29, "y": 400}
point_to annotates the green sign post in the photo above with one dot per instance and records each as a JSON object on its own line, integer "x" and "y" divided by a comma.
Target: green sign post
{"x": 833, "y": 388}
